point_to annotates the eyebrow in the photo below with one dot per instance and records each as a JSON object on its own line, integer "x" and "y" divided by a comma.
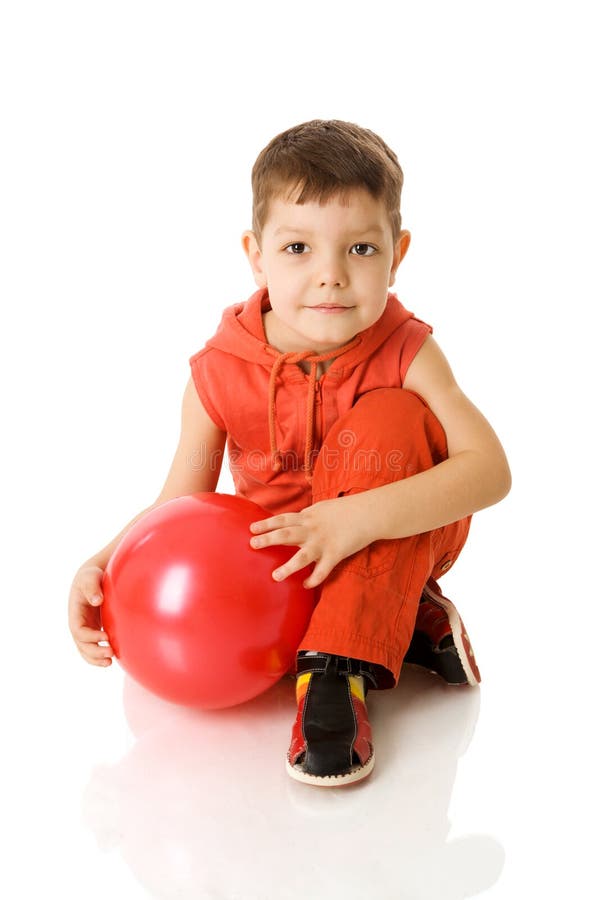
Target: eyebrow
{"x": 370, "y": 229}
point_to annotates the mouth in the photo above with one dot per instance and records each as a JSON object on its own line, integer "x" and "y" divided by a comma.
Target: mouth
{"x": 330, "y": 308}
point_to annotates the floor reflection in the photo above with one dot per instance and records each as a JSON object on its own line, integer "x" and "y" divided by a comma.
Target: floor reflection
{"x": 201, "y": 806}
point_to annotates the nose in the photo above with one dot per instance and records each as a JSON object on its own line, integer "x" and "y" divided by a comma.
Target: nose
{"x": 332, "y": 271}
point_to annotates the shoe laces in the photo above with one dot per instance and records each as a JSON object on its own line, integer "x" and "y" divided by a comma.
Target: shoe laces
{"x": 341, "y": 665}
{"x": 433, "y": 620}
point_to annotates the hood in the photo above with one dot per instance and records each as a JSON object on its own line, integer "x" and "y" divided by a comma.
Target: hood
{"x": 241, "y": 333}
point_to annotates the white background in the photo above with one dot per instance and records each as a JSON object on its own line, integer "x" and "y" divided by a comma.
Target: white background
{"x": 128, "y": 133}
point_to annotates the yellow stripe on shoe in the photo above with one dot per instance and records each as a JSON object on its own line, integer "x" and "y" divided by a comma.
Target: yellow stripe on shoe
{"x": 357, "y": 686}
{"x": 302, "y": 685}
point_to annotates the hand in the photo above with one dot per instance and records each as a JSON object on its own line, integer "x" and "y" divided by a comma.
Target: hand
{"x": 85, "y": 623}
{"x": 325, "y": 533}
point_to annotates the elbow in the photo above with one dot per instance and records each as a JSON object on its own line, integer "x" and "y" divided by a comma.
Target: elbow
{"x": 502, "y": 480}
{"x": 492, "y": 479}
{"x": 506, "y": 483}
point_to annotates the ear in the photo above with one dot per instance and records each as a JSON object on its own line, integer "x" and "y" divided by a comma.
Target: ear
{"x": 400, "y": 248}
{"x": 254, "y": 254}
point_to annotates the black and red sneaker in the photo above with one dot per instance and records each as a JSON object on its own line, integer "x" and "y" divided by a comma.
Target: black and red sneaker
{"x": 440, "y": 642}
{"x": 332, "y": 744}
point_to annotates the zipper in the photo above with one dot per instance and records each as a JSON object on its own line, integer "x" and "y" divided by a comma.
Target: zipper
{"x": 319, "y": 406}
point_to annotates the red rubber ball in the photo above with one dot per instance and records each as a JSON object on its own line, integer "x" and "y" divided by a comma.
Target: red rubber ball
{"x": 191, "y": 609}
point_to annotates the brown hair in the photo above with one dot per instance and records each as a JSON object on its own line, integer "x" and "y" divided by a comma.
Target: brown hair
{"x": 320, "y": 159}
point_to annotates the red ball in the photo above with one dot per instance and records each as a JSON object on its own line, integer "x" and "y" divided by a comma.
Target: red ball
{"x": 191, "y": 609}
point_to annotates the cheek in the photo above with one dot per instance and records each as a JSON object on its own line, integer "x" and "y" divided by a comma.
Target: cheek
{"x": 284, "y": 276}
{"x": 378, "y": 303}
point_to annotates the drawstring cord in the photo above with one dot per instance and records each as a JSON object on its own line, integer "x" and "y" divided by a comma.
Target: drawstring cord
{"x": 314, "y": 360}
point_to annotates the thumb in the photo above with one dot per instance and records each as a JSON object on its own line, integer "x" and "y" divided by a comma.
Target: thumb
{"x": 91, "y": 586}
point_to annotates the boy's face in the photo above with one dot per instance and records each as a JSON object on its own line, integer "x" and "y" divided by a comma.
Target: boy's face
{"x": 327, "y": 269}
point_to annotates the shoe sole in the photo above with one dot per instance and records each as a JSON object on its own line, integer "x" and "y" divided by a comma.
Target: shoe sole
{"x": 355, "y": 774}
{"x": 461, "y": 638}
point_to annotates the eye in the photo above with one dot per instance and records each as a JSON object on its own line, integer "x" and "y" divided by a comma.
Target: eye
{"x": 363, "y": 250}
{"x": 297, "y": 248}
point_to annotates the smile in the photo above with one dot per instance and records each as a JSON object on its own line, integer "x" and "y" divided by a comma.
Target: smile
{"x": 330, "y": 308}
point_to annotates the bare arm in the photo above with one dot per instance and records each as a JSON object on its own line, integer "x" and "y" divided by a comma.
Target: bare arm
{"x": 475, "y": 475}
{"x": 196, "y": 466}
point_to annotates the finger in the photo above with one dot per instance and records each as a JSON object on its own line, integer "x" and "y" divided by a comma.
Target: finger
{"x": 96, "y": 655}
{"x": 95, "y": 651}
{"x": 288, "y": 536}
{"x": 298, "y": 561}
{"x": 318, "y": 574}
{"x": 85, "y": 635}
{"x": 272, "y": 523}
{"x": 103, "y": 663}
{"x": 81, "y": 611}
{"x": 90, "y": 586}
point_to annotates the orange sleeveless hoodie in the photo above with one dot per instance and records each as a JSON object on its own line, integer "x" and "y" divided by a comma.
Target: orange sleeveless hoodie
{"x": 274, "y": 413}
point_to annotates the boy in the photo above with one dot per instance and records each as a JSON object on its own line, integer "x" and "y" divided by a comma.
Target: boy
{"x": 343, "y": 419}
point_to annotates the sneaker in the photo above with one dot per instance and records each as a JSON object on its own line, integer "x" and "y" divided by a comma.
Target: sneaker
{"x": 331, "y": 743}
{"x": 440, "y": 642}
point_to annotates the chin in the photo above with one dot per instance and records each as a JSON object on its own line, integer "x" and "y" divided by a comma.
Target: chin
{"x": 331, "y": 341}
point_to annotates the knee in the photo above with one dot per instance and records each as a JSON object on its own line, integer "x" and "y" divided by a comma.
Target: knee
{"x": 395, "y": 417}
{"x": 388, "y": 434}
{"x": 405, "y": 423}
{"x": 384, "y": 403}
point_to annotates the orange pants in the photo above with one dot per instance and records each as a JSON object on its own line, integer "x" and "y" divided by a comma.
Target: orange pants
{"x": 368, "y": 604}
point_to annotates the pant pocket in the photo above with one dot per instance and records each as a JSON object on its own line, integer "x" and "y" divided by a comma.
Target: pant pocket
{"x": 376, "y": 559}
